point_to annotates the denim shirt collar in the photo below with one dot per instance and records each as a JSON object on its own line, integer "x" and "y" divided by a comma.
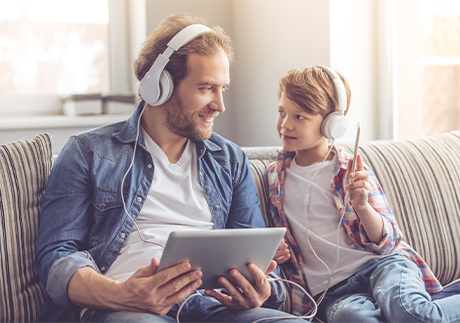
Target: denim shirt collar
{"x": 128, "y": 133}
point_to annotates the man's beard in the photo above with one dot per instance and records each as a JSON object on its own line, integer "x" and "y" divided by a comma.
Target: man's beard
{"x": 183, "y": 122}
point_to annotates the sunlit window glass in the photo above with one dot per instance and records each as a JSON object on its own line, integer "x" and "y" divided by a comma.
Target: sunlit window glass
{"x": 54, "y": 46}
{"x": 428, "y": 67}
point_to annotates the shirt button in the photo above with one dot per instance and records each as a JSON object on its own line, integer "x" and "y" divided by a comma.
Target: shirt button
{"x": 201, "y": 173}
{"x": 216, "y": 207}
{"x": 201, "y": 151}
{"x": 139, "y": 199}
{"x": 123, "y": 235}
{"x": 149, "y": 166}
{"x": 102, "y": 205}
{"x": 103, "y": 269}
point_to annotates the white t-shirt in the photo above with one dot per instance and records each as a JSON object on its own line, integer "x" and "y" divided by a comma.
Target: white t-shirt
{"x": 176, "y": 201}
{"x": 323, "y": 219}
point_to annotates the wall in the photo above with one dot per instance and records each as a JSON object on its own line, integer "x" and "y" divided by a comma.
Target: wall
{"x": 274, "y": 36}
{"x": 353, "y": 52}
{"x": 270, "y": 38}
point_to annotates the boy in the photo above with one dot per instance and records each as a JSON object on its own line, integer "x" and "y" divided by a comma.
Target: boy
{"x": 354, "y": 252}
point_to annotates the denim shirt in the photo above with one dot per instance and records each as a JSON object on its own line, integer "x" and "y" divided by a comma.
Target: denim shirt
{"x": 83, "y": 222}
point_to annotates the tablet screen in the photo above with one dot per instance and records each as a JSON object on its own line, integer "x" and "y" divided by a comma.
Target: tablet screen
{"x": 216, "y": 252}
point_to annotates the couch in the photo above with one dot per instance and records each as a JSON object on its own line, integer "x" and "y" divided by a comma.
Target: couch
{"x": 421, "y": 178}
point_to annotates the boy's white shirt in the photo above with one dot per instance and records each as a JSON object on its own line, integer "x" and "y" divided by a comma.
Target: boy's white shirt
{"x": 323, "y": 222}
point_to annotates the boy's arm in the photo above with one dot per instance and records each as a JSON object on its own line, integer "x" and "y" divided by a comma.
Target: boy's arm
{"x": 360, "y": 189}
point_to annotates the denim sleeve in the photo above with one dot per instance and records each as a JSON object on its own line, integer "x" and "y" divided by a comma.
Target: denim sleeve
{"x": 278, "y": 294}
{"x": 64, "y": 223}
{"x": 245, "y": 213}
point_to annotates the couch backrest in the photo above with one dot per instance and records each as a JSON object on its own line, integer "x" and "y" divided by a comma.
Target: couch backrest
{"x": 421, "y": 179}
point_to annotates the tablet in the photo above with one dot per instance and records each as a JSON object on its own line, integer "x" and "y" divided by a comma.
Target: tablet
{"x": 216, "y": 252}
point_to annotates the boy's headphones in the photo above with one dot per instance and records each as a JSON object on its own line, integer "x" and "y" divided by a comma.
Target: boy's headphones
{"x": 335, "y": 123}
{"x": 156, "y": 86}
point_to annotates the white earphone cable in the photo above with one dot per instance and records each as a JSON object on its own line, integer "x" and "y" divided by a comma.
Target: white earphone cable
{"x": 308, "y": 238}
{"x": 123, "y": 180}
{"x": 307, "y": 316}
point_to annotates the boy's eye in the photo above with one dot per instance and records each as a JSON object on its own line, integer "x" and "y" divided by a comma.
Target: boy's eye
{"x": 300, "y": 117}
{"x": 281, "y": 112}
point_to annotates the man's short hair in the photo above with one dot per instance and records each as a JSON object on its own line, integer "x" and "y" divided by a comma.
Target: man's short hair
{"x": 313, "y": 90}
{"x": 156, "y": 43}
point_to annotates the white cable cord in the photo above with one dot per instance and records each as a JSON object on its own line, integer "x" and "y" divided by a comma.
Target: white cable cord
{"x": 123, "y": 181}
{"x": 183, "y": 303}
{"x": 308, "y": 238}
{"x": 306, "y": 316}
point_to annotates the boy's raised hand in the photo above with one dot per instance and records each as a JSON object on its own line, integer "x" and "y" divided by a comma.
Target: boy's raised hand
{"x": 282, "y": 254}
{"x": 359, "y": 187}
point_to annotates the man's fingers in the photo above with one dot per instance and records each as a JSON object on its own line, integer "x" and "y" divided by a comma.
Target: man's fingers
{"x": 174, "y": 286}
{"x": 165, "y": 276}
{"x": 154, "y": 264}
{"x": 222, "y": 298}
{"x": 183, "y": 292}
{"x": 149, "y": 270}
{"x": 271, "y": 267}
{"x": 234, "y": 292}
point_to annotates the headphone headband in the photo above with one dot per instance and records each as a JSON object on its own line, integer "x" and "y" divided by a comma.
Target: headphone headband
{"x": 335, "y": 123}
{"x": 156, "y": 86}
{"x": 340, "y": 88}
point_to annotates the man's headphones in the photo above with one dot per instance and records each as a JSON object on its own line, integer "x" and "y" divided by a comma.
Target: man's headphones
{"x": 156, "y": 86}
{"x": 335, "y": 124}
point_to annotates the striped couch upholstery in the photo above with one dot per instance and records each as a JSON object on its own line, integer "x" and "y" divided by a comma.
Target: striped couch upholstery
{"x": 421, "y": 179}
{"x": 24, "y": 169}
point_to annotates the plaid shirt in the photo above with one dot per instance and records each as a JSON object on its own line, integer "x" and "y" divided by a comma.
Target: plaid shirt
{"x": 392, "y": 236}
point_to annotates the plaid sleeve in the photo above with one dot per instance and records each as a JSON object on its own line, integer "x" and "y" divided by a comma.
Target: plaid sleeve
{"x": 392, "y": 235}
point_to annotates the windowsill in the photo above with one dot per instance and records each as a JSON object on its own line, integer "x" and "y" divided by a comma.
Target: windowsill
{"x": 60, "y": 121}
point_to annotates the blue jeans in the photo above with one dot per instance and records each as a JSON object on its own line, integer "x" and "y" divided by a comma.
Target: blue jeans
{"x": 196, "y": 309}
{"x": 388, "y": 290}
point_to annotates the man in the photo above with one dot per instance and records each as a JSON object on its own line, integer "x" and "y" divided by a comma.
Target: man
{"x": 116, "y": 192}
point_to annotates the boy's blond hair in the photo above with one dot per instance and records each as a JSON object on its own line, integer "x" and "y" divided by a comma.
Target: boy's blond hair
{"x": 313, "y": 90}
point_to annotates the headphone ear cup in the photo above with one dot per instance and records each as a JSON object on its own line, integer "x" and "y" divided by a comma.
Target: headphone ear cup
{"x": 334, "y": 125}
{"x": 166, "y": 88}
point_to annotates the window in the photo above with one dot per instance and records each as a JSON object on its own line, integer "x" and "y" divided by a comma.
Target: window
{"x": 50, "y": 48}
{"x": 428, "y": 67}
{"x": 54, "y": 47}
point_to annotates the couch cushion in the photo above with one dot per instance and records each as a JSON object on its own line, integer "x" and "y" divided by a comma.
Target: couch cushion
{"x": 24, "y": 169}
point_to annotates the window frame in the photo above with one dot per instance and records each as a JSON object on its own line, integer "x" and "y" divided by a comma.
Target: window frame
{"x": 387, "y": 70}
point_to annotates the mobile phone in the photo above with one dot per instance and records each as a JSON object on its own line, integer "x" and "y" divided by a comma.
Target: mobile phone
{"x": 355, "y": 153}
{"x": 353, "y": 165}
